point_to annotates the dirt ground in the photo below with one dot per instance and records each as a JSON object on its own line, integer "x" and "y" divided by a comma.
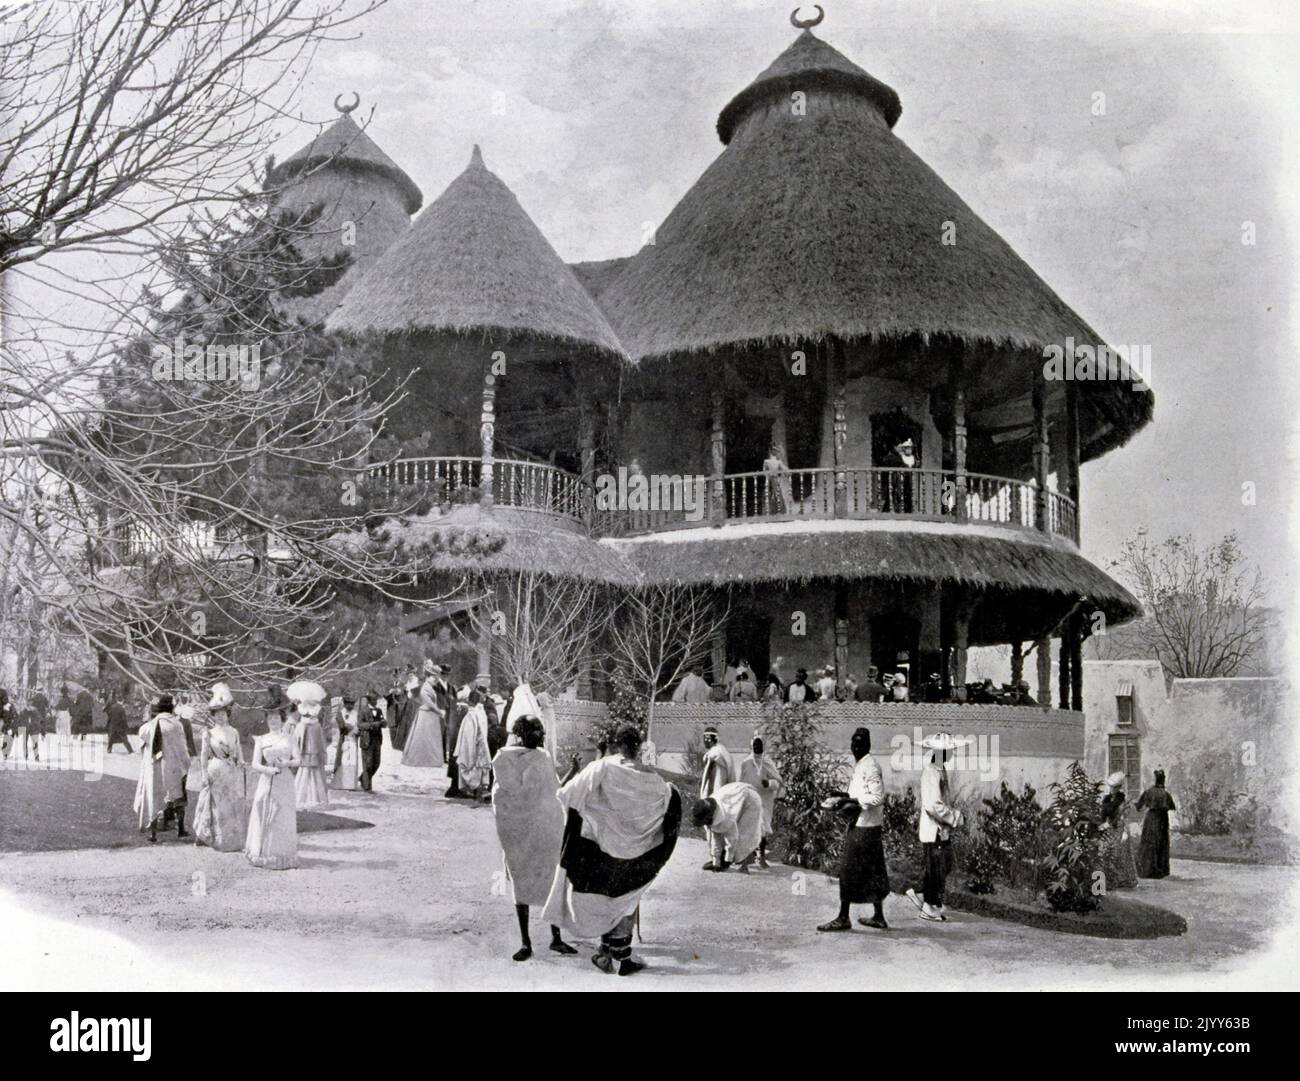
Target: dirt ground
{"x": 419, "y": 901}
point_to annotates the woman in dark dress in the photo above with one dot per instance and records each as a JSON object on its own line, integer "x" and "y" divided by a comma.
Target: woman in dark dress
{"x": 1153, "y": 851}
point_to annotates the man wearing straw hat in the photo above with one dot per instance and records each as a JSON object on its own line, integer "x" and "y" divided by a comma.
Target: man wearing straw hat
{"x": 939, "y": 817}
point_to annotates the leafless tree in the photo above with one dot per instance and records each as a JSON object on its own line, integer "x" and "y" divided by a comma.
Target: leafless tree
{"x": 660, "y": 632}
{"x": 544, "y": 630}
{"x": 172, "y": 524}
{"x": 1203, "y": 604}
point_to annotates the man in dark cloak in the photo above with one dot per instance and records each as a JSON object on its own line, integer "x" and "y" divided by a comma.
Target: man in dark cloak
{"x": 83, "y": 713}
{"x": 1153, "y": 849}
{"x": 117, "y": 724}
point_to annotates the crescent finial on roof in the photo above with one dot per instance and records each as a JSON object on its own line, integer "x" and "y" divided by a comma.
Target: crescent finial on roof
{"x": 805, "y": 24}
{"x": 345, "y": 109}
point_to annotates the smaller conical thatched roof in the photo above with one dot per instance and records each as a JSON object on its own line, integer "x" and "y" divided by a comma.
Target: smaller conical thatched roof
{"x": 346, "y": 145}
{"x": 808, "y": 64}
{"x": 474, "y": 262}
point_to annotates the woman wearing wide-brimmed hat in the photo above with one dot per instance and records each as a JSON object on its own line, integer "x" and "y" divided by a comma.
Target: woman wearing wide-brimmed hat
{"x": 1116, "y": 849}
{"x": 219, "y": 819}
{"x": 939, "y": 817}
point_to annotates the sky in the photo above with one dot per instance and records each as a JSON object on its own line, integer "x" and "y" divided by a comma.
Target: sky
{"x": 600, "y": 115}
{"x": 1123, "y": 149}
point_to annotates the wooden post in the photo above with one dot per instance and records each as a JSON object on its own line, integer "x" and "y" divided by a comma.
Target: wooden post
{"x": 1076, "y": 661}
{"x": 960, "y": 642}
{"x": 1073, "y": 451}
{"x": 1017, "y": 661}
{"x": 587, "y": 459}
{"x": 487, "y": 432}
{"x": 1042, "y": 451}
{"x": 837, "y": 387}
{"x": 718, "y": 448}
{"x": 841, "y": 633}
{"x": 1043, "y": 657}
{"x": 1063, "y": 669}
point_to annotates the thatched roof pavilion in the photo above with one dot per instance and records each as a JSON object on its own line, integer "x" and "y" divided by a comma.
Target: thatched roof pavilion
{"x": 475, "y": 275}
{"x": 825, "y": 225}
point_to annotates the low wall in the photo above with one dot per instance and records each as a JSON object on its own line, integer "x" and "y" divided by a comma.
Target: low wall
{"x": 1015, "y": 744}
{"x": 1235, "y": 734}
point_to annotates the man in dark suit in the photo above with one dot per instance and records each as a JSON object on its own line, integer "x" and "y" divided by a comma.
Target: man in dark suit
{"x": 370, "y": 740}
{"x": 83, "y": 713}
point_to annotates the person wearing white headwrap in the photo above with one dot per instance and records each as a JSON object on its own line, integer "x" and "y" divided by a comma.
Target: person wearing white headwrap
{"x": 219, "y": 819}
{"x": 309, "y": 744}
{"x": 758, "y": 770}
{"x": 473, "y": 757}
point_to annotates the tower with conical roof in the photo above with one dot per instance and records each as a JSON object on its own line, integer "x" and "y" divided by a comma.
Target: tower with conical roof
{"x": 365, "y": 199}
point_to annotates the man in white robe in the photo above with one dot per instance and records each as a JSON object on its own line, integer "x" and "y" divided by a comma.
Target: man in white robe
{"x": 473, "y": 758}
{"x": 719, "y": 769}
{"x": 694, "y": 688}
{"x": 734, "y": 818}
{"x": 164, "y": 766}
{"x": 760, "y": 771}
{"x": 621, "y": 827}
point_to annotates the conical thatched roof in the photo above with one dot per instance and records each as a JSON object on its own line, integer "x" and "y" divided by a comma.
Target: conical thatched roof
{"x": 825, "y": 224}
{"x": 474, "y": 261}
{"x": 345, "y": 145}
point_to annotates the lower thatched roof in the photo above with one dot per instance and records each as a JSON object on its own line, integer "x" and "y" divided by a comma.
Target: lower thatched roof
{"x": 981, "y": 558}
{"x": 467, "y": 540}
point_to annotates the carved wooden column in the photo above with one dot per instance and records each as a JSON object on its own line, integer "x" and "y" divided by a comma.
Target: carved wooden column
{"x": 1042, "y": 451}
{"x": 487, "y": 433}
{"x": 956, "y": 379}
{"x": 960, "y": 643}
{"x": 1043, "y": 662}
{"x": 837, "y": 387}
{"x": 1017, "y": 661}
{"x": 718, "y": 452}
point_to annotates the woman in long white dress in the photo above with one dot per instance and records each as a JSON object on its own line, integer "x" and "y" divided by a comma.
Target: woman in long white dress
{"x": 273, "y": 821}
{"x": 347, "y": 754}
{"x": 220, "y": 821}
{"x": 309, "y": 744}
{"x": 424, "y": 742}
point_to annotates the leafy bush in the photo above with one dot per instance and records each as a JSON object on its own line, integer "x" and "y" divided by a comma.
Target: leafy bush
{"x": 1014, "y": 835}
{"x": 1075, "y": 819}
{"x": 981, "y": 863}
{"x": 807, "y": 836}
{"x": 902, "y": 841}
{"x": 626, "y": 706}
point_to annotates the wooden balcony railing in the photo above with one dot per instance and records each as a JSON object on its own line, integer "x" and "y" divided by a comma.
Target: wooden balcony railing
{"x": 794, "y": 495}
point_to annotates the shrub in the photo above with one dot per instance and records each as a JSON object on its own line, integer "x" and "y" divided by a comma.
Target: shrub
{"x": 810, "y": 772}
{"x": 1014, "y": 832}
{"x": 901, "y": 822}
{"x": 626, "y": 706}
{"x": 1075, "y": 819}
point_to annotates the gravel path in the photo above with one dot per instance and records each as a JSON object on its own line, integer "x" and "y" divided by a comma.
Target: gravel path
{"x": 420, "y": 901}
